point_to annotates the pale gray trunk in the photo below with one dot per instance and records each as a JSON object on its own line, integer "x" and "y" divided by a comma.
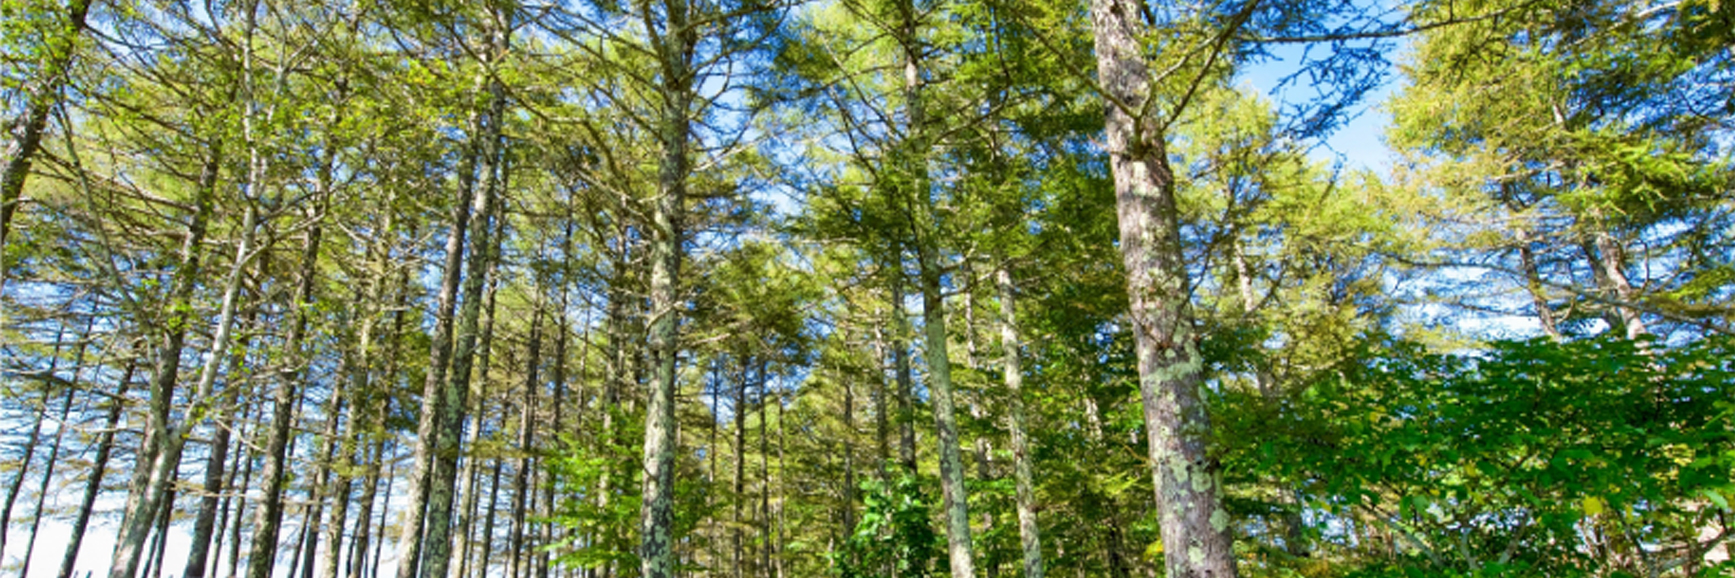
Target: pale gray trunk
{"x": 925, "y": 221}
{"x": 1029, "y": 534}
{"x": 171, "y": 439}
{"x": 1193, "y": 524}
{"x": 1611, "y": 268}
{"x": 675, "y": 51}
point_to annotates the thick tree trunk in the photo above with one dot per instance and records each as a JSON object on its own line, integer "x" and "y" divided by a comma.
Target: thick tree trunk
{"x": 675, "y": 50}
{"x": 433, "y": 410}
{"x": 99, "y": 466}
{"x": 1029, "y": 535}
{"x": 1193, "y": 524}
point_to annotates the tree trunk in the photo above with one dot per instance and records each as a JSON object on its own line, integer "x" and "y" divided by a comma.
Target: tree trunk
{"x": 927, "y": 245}
{"x": 26, "y": 131}
{"x": 765, "y": 530}
{"x": 901, "y": 364}
{"x": 206, "y": 525}
{"x": 240, "y": 510}
{"x": 1029, "y": 534}
{"x": 411, "y": 532}
{"x": 521, "y": 480}
{"x": 99, "y": 466}
{"x": 30, "y": 444}
{"x": 478, "y": 392}
{"x": 740, "y": 480}
{"x": 1193, "y": 525}
{"x": 53, "y": 452}
{"x": 675, "y": 50}
{"x": 262, "y": 555}
{"x": 455, "y": 393}
{"x": 168, "y": 439}
{"x": 488, "y": 522}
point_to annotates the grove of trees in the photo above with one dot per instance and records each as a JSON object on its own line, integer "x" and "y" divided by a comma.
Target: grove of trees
{"x": 866, "y": 288}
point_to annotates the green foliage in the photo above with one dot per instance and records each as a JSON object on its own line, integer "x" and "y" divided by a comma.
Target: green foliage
{"x": 895, "y": 537}
{"x": 1528, "y": 457}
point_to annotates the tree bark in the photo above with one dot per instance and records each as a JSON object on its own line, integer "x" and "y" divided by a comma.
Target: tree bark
{"x": 25, "y": 131}
{"x": 30, "y": 444}
{"x": 526, "y": 436}
{"x": 675, "y": 50}
{"x": 168, "y": 439}
{"x": 1193, "y": 524}
{"x": 1029, "y": 534}
{"x": 437, "y": 559}
{"x": 54, "y": 450}
{"x": 262, "y": 554}
{"x": 99, "y": 466}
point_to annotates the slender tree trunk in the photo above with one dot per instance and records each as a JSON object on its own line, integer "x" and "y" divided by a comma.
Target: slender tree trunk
{"x": 1029, "y": 534}
{"x": 488, "y": 522}
{"x": 206, "y": 525}
{"x": 1193, "y": 525}
{"x": 740, "y": 410}
{"x": 169, "y": 439}
{"x": 901, "y": 364}
{"x": 53, "y": 454}
{"x": 882, "y": 405}
{"x": 411, "y": 532}
{"x": 478, "y": 392}
{"x": 25, "y": 133}
{"x": 235, "y": 524}
{"x": 321, "y": 479}
{"x": 765, "y": 530}
{"x": 99, "y": 466}
{"x": 166, "y": 372}
{"x": 444, "y": 475}
{"x": 521, "y": 480}
{"x": 262, "y": 555}
{"x": 30, "y": 444}
{"x": 385, "y": 513}
{"x": 922, "y": 214}
{"x": 165, "y": 513}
